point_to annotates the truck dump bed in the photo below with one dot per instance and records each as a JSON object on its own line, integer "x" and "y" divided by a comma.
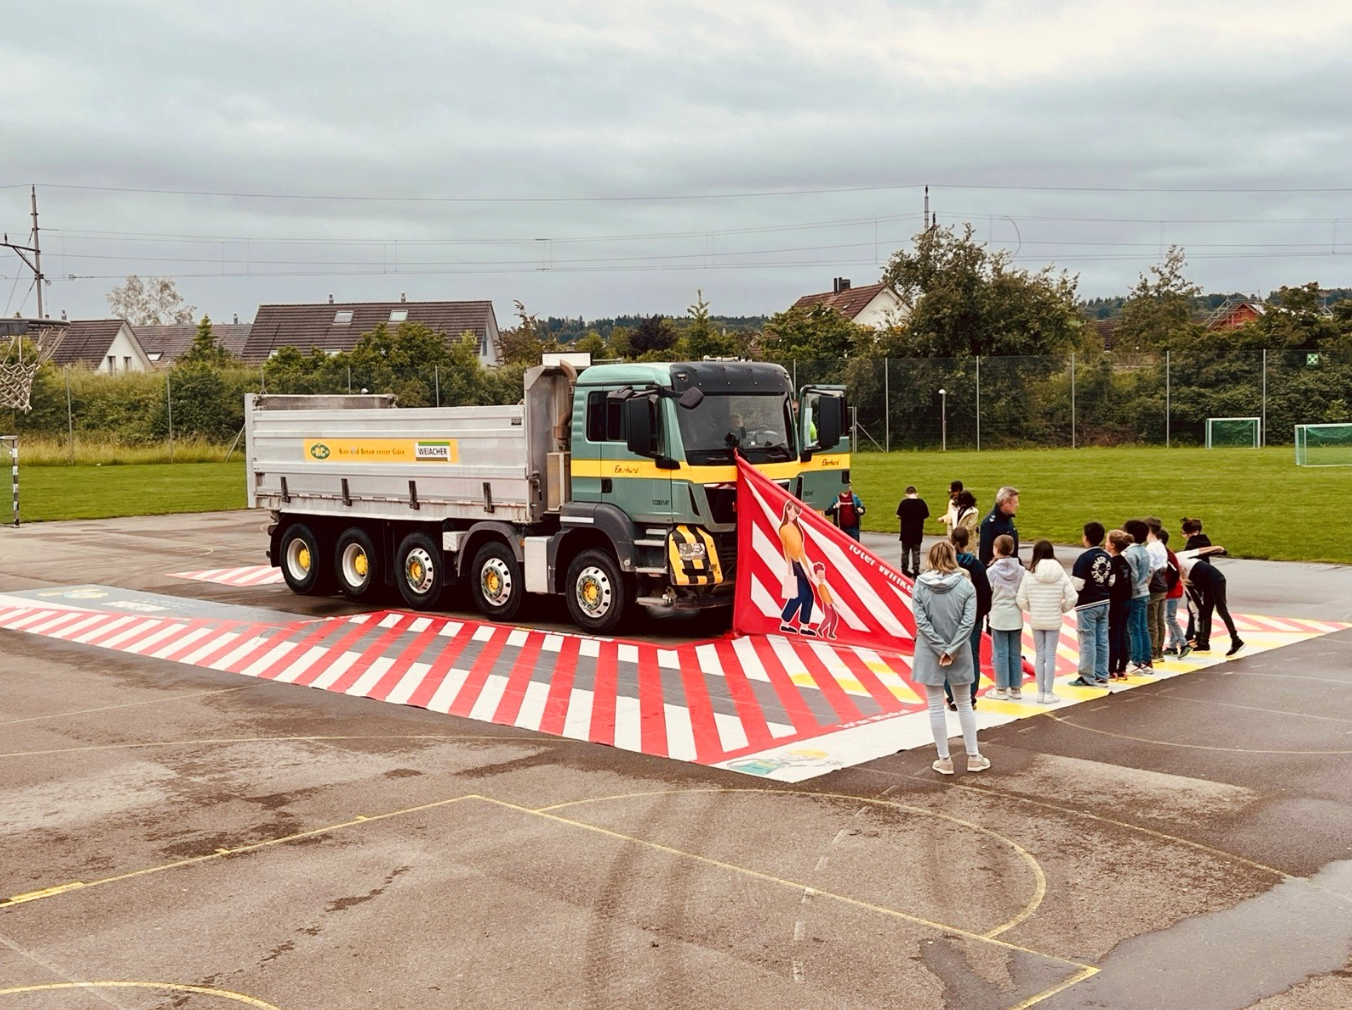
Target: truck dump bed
{"x": 362, "y": 456}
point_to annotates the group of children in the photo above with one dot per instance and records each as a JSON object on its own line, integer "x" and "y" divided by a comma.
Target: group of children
{"x": 1126, "y": 589}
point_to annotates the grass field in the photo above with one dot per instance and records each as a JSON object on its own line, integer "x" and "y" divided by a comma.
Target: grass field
{"x": 1257, "y": 503}
{"x": 98, "y": 492}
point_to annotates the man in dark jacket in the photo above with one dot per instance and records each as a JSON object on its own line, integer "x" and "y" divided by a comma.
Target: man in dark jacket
{"x": 847, "y": 511}
{"x": 977, "y": 572}
{"x": 1000, "y": 521}
{"x": 911, "y": 514}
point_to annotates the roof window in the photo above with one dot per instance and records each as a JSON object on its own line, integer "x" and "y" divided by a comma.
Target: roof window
{"x": 343, "y": 317}
{"x": 398, "y": 315}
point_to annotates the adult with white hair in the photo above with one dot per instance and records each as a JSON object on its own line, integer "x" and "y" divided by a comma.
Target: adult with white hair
{"x": 1000, "y": 522}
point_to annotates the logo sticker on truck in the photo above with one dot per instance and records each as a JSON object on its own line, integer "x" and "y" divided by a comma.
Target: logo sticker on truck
{"x": 382, "y": 450}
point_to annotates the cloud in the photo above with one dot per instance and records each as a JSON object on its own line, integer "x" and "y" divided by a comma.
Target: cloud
{"x": 421, "y": 99}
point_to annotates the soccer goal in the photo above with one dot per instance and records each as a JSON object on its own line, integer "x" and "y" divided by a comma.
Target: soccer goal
{"x": 9, "y": 444}
{"x": 1324, "y": 445}
{"x": 1234, "y": 432}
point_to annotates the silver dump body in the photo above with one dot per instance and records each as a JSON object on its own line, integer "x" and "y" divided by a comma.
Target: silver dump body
{"x": 361, "y": 455}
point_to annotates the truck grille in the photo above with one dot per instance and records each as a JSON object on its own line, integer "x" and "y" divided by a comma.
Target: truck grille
{"x": 726, "y": 545}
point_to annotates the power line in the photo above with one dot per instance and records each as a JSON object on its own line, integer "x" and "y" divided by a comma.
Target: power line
{"x": 677, "y": 197}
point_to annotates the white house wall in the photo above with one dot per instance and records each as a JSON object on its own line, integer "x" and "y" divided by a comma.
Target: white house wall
{"x": 885, "y": 309}
{"x": 125, "y": 346}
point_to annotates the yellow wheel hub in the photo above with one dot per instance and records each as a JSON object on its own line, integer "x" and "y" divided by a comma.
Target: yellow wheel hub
{"x": 303, "y": 558}
{"x": 590, "y": 592}
{"x": 415, "y": 570}
{"x": 492, "y": 583}
{"x": 360, "y": 564}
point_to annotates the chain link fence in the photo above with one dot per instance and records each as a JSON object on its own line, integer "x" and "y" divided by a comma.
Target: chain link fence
{"x": 1117, "y": 398}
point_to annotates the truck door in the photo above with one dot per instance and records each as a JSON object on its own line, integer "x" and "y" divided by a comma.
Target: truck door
{"x": 824, "y": 434}
{"x": 640, "y": 462}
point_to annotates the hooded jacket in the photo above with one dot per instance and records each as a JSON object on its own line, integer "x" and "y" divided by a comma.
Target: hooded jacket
{"x": 945, "y": 614}
{"x": 1046, "y": 593}
{"x": 1005, "y": 576}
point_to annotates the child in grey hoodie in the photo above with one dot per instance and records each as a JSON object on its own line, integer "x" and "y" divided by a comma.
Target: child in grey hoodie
{"x": 1005, "y": 575}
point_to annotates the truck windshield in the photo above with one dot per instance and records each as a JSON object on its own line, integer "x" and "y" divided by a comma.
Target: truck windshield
{"x": 756, "y": 423}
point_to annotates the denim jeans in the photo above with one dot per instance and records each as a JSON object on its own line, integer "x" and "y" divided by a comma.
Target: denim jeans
{"x": 910, "y": 559}
{"x": 1092, "y": 627}
{"x": 1007, "y": 650}
{"x": 1176, "y": 639}
{"x": 1045, "y": 661}
{"x": 1117, "y": 636}
{"x": 1155, "y": 619}
{"x": 1138, "y": 629}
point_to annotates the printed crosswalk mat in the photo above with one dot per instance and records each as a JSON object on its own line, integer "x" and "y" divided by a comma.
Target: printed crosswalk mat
{"x": 781, "y": 706}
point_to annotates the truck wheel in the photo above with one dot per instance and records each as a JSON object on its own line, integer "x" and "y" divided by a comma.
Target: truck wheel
{"x": 302, "y": 561}
{"x": 420, "y": 571}
{"x": 356, "y": 563}
{"x": 597, "y": 592}
{"x": 497, "y": 582}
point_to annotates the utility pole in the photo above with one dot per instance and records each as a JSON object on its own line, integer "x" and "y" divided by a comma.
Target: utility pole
{"x": 37, "y": 251}
{"x": 35, "y": 264}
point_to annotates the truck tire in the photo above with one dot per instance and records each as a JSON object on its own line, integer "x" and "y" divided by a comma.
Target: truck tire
{"x": 597, "y": 592}
{"x": 357, "y": 565}
{"x": 420, "y": 571}
{"x": 496, "y": 581}
{"x": 300, "y": 553}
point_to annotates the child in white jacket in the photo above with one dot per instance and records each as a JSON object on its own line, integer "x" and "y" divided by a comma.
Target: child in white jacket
{"x": 1046, "y": 594}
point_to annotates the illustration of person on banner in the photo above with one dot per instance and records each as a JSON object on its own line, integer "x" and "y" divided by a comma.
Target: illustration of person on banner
{"x": 797, "y": 585}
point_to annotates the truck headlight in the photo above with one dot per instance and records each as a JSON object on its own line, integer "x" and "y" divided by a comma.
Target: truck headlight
{"x": 688, "y": 551}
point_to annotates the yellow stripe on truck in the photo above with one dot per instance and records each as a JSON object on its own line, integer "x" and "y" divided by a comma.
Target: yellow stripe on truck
{"x": 704, "y": 570}
{"x": 705, "y": 474}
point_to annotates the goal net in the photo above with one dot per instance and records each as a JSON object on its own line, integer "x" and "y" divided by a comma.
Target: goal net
{"x": 1234, "y": 432}
{"x": 1324, "y": 445}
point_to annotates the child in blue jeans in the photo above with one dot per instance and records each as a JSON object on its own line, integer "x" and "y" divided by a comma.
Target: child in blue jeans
{"x": 1006, "y": 621}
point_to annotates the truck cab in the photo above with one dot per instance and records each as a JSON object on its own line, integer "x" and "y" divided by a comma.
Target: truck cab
{"x": 653, "y": 465}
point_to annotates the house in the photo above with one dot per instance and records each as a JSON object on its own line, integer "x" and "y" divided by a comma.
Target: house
{"x": 164, "y": 345}
{"x": 873, "y": 305}
{"x": 335, "y": 327}
{"x": 1236, "y": 312}
{"x": 105, "y": 345}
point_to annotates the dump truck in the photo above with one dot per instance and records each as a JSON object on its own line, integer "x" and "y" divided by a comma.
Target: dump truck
{"x": 613, "y": 485}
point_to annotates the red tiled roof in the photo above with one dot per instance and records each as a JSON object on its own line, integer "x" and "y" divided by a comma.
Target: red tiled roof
{"x": 309, "y": 326}
{"x": 172, "y": 342}
{"x": 849, "y": 302}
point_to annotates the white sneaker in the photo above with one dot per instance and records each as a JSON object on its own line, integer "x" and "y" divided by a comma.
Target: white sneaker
{"x": 1041, "y": 698}
{"x": 1016, "y": 694}
{"x": 1051, "y": 699}
{"x": 998, "y": 694}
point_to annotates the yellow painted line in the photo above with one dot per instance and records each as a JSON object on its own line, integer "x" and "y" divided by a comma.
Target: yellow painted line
{"x": 238, "y": 850}
{"x": 1088, "y": 971}
{"x": 203, "y": 990}
{"x": 1039, "y": 878}
{"x": 1189, "y": 746}
{"x": 46, "y": 892}
{"x": 1165, "y": 836}
{"x": 130, "y": 704}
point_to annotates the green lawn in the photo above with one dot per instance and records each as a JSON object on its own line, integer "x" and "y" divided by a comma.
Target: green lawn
{"x": 1256, "y": 502}
{"x": 100, "y": 492}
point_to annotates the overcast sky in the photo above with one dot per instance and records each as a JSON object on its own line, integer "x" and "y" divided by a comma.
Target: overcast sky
{"x": 602, "y": 158}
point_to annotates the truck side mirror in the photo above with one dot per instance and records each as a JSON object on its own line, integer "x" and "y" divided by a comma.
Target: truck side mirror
{"x": 830, "y": 423}
{"x": 640, "y": 428}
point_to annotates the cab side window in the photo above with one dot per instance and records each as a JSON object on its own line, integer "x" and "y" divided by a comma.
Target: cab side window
{"x": 604, "y": 418}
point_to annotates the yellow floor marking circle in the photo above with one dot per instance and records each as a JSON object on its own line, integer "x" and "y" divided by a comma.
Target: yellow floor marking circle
{"x": 1039, "y": 878}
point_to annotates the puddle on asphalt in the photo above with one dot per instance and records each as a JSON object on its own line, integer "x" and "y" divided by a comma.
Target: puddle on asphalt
{"x": 1229, "y": 960}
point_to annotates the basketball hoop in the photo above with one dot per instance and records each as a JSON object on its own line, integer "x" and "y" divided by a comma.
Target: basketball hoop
{"x": 26, "y": 352}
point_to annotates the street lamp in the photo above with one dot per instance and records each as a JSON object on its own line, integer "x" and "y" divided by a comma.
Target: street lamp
{"x": 943, "y": 419}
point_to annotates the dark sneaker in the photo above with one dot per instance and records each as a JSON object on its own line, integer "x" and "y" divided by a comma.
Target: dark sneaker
{"x": 1081, "y": 682}
{"x": 788, "y": 629}
{"x": 1235, "y": 646}
{"x": 952, "y": 706}
{"x": 1185, "y": 652}
{"x": 808, "y": 633}
{"x": 1171, "y": 652}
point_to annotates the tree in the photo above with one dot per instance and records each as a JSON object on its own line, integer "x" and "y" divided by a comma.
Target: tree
{"x": 652, "y": 337}
{"x": 1160, "y": 312}
{"x": 524, "y": 343}
{"x": 594, "y": 344}
{"x": 702, "y": 337}
{"x": 817, "y": 334}
{"x": 966, "y": 300}
{"x": 154, "y": 302}
{"x": 206, "y": 350}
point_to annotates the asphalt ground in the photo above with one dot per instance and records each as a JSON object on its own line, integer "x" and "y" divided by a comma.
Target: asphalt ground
{"x": 251, "y": 843}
